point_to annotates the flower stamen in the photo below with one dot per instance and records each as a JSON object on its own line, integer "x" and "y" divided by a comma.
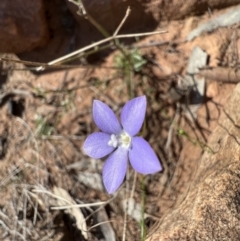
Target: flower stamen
{"x": 113, "y": 141}
{"x": 123, "y": 139}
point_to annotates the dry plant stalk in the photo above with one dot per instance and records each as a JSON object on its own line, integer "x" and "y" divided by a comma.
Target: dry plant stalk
{"x": 108, "y": 39}
{"x": 231, "y": 75}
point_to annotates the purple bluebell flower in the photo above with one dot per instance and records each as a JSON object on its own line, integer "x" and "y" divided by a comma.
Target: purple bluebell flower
{"x": 121, "y": 142}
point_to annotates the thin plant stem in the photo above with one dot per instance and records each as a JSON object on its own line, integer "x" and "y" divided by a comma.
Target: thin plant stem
{"x": 134, "y": 184}
{"x": 130, "y": 82}
{"x": 97, "y": 26}
{"x": 83, "y": 12}
{"x": 128, "y": 74}
{"x": 143, "y": 197}
{"x": 59, "y": 60}
{"x": 143, "y": 202}
{"x": 126, "y": 209}
{"x": 43, "y": 65}
{"x": 122, "y": 22}
{"x": 87, "y": 53}
{"x": 119, "y": 46}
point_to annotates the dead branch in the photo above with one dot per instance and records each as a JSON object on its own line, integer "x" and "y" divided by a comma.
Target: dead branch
{"x": 230, "y": 75}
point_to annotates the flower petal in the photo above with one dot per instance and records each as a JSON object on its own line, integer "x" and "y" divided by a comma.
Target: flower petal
{"x": 105, "y": 118}
{"x": 96, "y": 145}
{"x": 132, "y": 115}
{"x": 115, "y": 169}
{"x": 142, "y": 157}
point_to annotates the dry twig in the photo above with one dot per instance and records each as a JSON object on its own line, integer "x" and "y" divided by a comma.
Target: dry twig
{"x": 230, "y": 75}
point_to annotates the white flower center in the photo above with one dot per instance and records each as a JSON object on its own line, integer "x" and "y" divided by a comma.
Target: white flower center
{"x": 113, "y": 141}
{"x": 123, "y": 140}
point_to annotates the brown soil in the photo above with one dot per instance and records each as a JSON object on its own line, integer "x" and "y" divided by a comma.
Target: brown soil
{"x": 43, "y": 129}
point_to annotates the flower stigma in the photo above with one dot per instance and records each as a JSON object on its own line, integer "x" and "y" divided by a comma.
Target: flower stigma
{"x": 123, "y": 139}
